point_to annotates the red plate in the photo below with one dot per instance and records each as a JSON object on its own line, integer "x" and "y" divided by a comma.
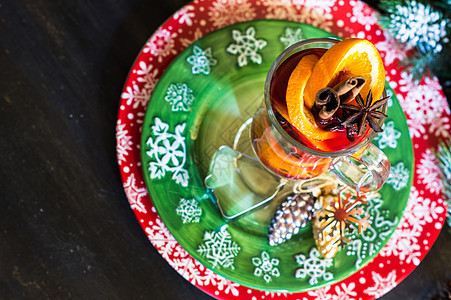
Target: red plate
{"x": 426, "y": 108}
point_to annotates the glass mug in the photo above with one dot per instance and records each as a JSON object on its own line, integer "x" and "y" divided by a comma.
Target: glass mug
{"x": 278, "y": 158}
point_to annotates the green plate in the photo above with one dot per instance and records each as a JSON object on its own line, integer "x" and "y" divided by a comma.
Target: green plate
{"x": 199, "y": 103}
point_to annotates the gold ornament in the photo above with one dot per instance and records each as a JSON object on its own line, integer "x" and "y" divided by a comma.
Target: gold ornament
{"x": 331, "y": 221}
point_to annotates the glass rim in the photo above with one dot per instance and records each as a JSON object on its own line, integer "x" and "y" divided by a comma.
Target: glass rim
{"x": 281, "y": 58}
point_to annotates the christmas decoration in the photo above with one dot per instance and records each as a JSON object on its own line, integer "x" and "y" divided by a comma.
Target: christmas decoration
{"x": 423, "y": 27}
{"x": 365, "y": 113}
{"x": 329, "y": 205}
{"x": 331, "y": 221}
{"x": 219, "y": 248}
{"x": 189, "y": 211}
{"x": 369, "y": 241}
{"x": 444, "y": 157}
{"x": 291, "y": 215}
{"x": 266, "y": 266}
{"x": 328, "y": 238}
{"x": 313, "y": 266}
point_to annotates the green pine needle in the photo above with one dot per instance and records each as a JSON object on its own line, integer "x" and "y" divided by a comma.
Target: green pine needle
{"x": 403, "y": 20}
{"x": 444, "y": 157}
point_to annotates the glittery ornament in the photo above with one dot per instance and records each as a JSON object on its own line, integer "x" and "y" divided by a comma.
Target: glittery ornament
{"x": 327, "y": 235}
{"x": 330, "y": 222}
{"x": 291, "y": 215}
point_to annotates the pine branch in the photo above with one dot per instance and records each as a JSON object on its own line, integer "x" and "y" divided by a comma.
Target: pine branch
{"x": 444, "y": 157}
{"x": 424, "y": 27}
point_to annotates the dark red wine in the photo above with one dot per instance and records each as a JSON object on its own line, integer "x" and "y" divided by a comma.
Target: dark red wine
{"x": 341, "y": 140}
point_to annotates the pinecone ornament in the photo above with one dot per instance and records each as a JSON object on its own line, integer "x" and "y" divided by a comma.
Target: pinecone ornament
{"x": 291, "y": 215}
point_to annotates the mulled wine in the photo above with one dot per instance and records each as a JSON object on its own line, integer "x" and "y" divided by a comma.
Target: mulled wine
{"x": 337, "y": 133}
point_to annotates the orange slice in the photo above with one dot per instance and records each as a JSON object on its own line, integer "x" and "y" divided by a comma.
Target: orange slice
{"x": 299, "y": 115}
{"x": 348, "y": 58}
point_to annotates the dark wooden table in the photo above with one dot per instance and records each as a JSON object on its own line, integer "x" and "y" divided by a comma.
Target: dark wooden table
{"x": 66, "y": 229}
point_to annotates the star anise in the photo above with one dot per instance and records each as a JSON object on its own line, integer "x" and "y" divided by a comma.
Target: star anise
{"x": 364, "y": 113}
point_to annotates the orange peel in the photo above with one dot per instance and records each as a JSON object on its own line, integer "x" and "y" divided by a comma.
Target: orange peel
{"x": 299, "y": 115}
{"x": 348, "y": 58}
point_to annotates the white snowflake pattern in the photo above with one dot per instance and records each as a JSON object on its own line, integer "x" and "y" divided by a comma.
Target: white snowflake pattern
{"x": 425, "y": 211}
{"x": 201, "y": 60}
{"x": 428, "y": 172}
{"x": 185, "y": 15}
{"x": 266, "y": 266}
{"x": 341, "y": 292}
{"x": 188, "y": 40}
{"x": 148, "y": 75}
{"x": 313, "y": 266}
{"x": 440, "y": 127}
{"x": 416, "y": 128}
{"x": 382, "y": 285}
{"x": 427, "y": 29}
{"x": 370, "y": 240}
{"x": 320, "y": 294}
{"x": 219, "y": 248}
{"x": 180, "y": 96}
{"x": 291, "y": 36}
{"x": 362, "y": 13}
{"x": 189, "y": 210}
{"x": 196, "y": 273}
{"x": 276, "y": 295}
{"x": 188, "y": 267}
{"x": 399, "y": 176}
{"x": 281, "y": 9}
{"x": 221, "y": 283}
{"x": 406, "y": 82}
{"x": 168, "y": 152}
{"x": 136, "y": 95}
{"x": 124, "y": 142}
{"x": 345, "y": 292}
{"x": 424, "y": 102}
{"x": 226, "y": 12}
{"x": 389, "y": 136}
{"x": 161, "y": 44}
{"x": 390, "y": 50}
{"x": 161, "y": 238}
{"x": 405, "y": 242}
{"x": 135, "y": 194}
{"x": 246, "y": 46}
{"x": 316, "y": 18}
{"x": 316, "y": 14}
{"x": 323, "y": 6}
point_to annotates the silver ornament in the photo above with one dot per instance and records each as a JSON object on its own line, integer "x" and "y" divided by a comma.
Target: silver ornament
{"x": 291, "y": 215}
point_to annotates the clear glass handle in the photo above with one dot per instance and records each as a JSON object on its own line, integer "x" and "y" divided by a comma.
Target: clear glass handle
{"x": 366, "y": 170}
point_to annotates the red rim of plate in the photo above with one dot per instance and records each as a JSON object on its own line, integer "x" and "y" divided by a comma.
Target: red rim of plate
{"x": 425, "y": 106}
